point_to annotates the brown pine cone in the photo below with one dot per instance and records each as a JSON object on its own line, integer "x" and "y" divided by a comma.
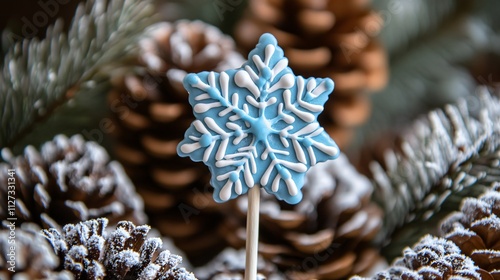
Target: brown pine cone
{"x": 230, "y": 265}
{"x": 325, "y": 38}
{"x": 32, "y": 257}
{"x": 476, "y": 230}
{"x": 432, "y": 258}
{"x": 325, "y": 236}
{"x": 68, "y": 181}
{"x": 89, "y": 252}
{"x": 153, "y": 113}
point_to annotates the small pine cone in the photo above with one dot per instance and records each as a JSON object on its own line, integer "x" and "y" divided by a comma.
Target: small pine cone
{"x": 68, "y": 180}
{"x": 230, "y": 265}
{"x": 89, "y": 252}
{"x": 325, "y": 39}
{"x": 476, "y": 230}
{"x": 432, "y": 258}
{"x": 325, "y": 236}
{"x": 153, "y": 113}
{"x": 32, "y": 257}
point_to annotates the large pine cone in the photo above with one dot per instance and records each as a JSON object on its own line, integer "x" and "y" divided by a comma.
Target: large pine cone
{"x": 432, "y": 258}
{"x": 33, "y": 257}
{"x": 89, "y": 252}
{"x": 68, "y": 181}
{"x": 476, "y": 230}
{"x": 153, "y": 113}
{"x": 325, "y": 236}
{"x": 325, "y": 38}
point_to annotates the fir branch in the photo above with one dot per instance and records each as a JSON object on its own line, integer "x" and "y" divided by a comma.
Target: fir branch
{"x": 404, "y": 24}
{"x": 39, "y": 76}
{"x": 429, "y": 76}
{"x": 445, "y": 156}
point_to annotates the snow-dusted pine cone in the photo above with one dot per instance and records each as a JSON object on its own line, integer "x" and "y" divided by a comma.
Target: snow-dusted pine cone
{"x": 325, "y": 38}
{"x": 476, "y": 230}
{"x": 67, "y": 181}
{"x": 89, "y": 252}
{"x": 153, "y": 113}
{"x": 432, "y": 258}
{"x": 325, "y": 236}
{"x": 32, "y": 257}
{"x": 230, "y": 265}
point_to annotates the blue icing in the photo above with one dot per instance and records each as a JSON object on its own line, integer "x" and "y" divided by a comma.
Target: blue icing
{"x": 257, "y": 125}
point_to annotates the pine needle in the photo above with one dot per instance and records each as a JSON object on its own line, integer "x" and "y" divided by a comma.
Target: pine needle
{"x": 451, "y": 153}
{"x": 38, "y": 76}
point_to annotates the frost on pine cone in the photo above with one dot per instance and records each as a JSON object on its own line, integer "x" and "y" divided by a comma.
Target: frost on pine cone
{"x": 67, "y": 181}
{"x": 325, "y": 39}
{"x": 230, "y": 265}
{"x": 432, "y": 258}
{"x": 325, "y": 236}
{"x": 476, "y": 230}
{"x": 152, "y": 113}
{"x": 89, "y": 252}
{"x": 33, "y": 257}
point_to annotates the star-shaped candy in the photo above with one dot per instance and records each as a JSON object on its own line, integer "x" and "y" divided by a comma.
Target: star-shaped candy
{"x": 256, "y": 126}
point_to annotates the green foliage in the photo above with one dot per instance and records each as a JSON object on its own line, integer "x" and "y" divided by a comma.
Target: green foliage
{"x": 40, "y": 76}
{"x": 427, "y": 67}
{"x": 408, "y": 21}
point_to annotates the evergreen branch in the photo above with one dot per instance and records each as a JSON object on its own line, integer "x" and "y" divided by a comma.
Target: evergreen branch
{"x": 429, "y": 75}
{"x": 404, "y": 24}
{"x": 39, "y": 76}
{"x": 444, "y": 157}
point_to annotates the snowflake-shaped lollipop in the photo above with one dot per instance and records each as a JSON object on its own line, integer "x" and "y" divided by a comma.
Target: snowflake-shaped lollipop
{"x": 257, "y": 125}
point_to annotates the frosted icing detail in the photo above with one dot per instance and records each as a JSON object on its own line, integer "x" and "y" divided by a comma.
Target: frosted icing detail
{"x": 258, "y": 125}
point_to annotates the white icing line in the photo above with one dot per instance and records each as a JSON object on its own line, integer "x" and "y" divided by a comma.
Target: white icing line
{"x": 276, "y": 183}
{"x": 312, "y": 156}
{"x": 225, "y": 192}
{"x": 319, "y": 89}
{"x": 332, "y": 151}
{"x": 269, "y": 51}
{"x": 286, "y": 81}
{"x": 198, "y": 125}
{"x": 292, "y": 187}
{"x": 295, "y": 166}
{"x": 190, "y": 147}
{"x": 287, "y": 97}
{"x": 213, "y": 125}
{"x": 237, "y": 188}
{"x": 280, "y": 66}
{"x": 299, "y": 152}
{"x": 307, "y": 129}
{"x": 222, "y": 149}
{"x": 224, "y": 85}
{"x": 204, "y": 107}
{"x": 248, "y": 175}
{"x": 208, "y": 152}
{"x": 242, "y": 79}
{"x": 267, "y": 173}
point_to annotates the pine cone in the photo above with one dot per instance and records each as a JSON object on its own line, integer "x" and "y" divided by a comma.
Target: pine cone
{"x": 32, "y": 258}
{"x": 325, "y": 39}
{"x": 476, "y": 230}
{"x": 153, "y": 113}
{"x": 69, "y": 180}
{"x": 230, "y": 265}
{"x": 89, "y": 252}
{"x": 432, "y": 258}
{"x": 325, "y": 236}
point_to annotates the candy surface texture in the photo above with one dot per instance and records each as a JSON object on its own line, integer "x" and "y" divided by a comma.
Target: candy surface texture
{"x": 257, "y": 125}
